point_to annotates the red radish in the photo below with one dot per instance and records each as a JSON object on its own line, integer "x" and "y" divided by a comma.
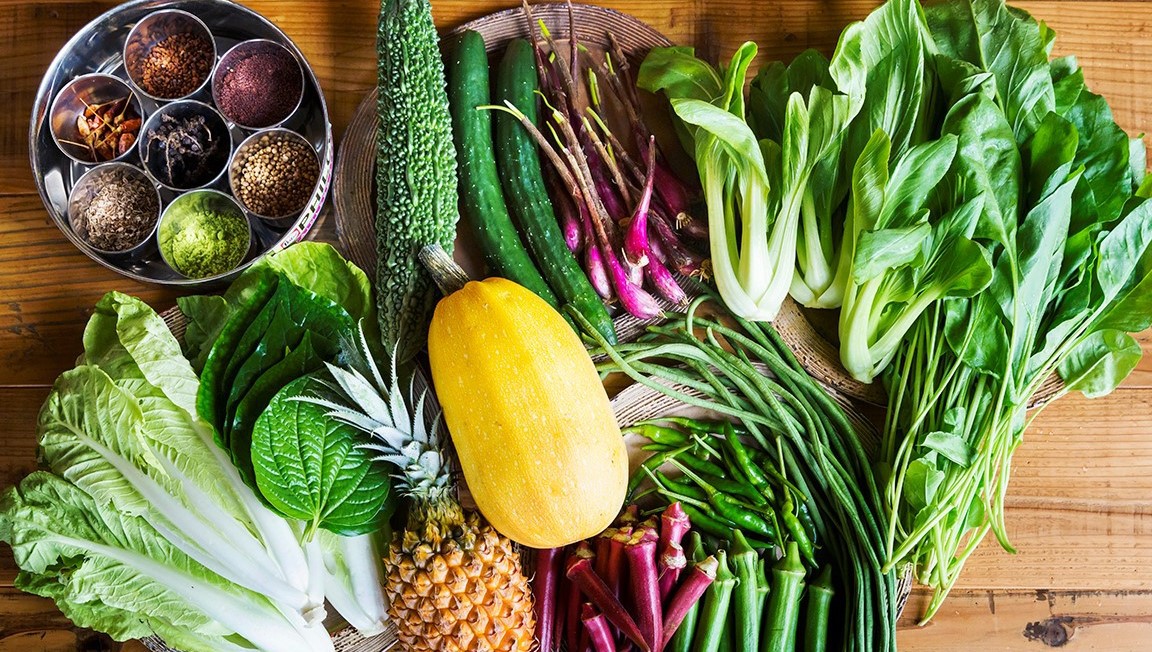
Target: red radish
{"x": 636, "y": 235}
{"x": 665, "y": 284}
{"x": 567, "y": 215}
{"x": 581, "y": 573}
{"x": 641, "y": 551}
{"x": 697, "y": 581}
{"x": 597, "y": 627}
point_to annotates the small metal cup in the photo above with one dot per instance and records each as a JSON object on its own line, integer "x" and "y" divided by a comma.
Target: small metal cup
{"x": 242, "y": 51}
{"x": 186, "y": 212}
{"x": 254, "y": 143}
{"x": 86, "y": 189}
{"x": 151, "y": 30}
{"x": 70, "y": 103}
{"x": 155, "y": 154}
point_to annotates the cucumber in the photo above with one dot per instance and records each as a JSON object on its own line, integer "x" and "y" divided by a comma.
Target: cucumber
{"x": 523, "y": 179}
{"x": 481, "y": 199}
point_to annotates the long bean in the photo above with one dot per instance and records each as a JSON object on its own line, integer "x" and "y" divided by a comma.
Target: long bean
{"x": 788, "y": 414}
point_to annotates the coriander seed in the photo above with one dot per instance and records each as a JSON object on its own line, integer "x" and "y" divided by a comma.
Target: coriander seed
{"x": 276, "y": 174}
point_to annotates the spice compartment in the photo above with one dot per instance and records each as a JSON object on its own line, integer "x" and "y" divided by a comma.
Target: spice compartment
{"x": 99, "y": 48}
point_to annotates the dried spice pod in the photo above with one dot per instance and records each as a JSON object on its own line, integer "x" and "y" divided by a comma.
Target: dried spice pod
{"x": 96, "y": 118}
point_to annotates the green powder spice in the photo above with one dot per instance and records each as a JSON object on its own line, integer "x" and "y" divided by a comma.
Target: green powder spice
{"x": 201, "y": 241}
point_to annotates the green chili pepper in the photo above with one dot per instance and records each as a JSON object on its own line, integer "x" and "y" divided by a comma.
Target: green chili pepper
{"x": 796, "y": 530}
{"x": 683, "y": 488}
{"x": 658, "y": 434}
{"x": 729, "y": 508}
{"x": 701, "y": 465}
{"x": 651, "y": 464}
{"x": 816, "y": 617}
{"x": 724, "y": 485}
{"x": 743, "y": 459}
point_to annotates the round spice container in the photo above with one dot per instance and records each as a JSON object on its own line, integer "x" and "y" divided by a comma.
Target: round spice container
{"x": 114, "y": 208}
{"x": 169, "y": 54}
{"x": 258, "y": 84}
{"x": 273, "y": 173}
{"x": 203, "y": 234}
{"x": 96, "y": 118}
{"x": 185, "y": 145}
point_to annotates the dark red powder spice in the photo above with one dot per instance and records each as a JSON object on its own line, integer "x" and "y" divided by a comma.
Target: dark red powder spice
{"x": 261, "y": 89}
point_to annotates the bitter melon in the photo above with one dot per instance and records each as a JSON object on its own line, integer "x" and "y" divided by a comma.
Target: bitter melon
{"x": 415, "y": 171}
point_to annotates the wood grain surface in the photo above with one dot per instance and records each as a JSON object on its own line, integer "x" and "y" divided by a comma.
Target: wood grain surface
{"x": 1081, "y": 495}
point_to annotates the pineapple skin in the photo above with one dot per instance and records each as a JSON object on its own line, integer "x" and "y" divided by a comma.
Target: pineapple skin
{"x": 448, "y": 596}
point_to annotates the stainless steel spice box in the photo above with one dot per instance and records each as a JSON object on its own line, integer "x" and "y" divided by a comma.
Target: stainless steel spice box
{"x": 99, "y": 47}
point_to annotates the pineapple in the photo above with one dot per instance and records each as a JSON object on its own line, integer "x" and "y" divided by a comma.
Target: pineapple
{"x": 453, "y": 582}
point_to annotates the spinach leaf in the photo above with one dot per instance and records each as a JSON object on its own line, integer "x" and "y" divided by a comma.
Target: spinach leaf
{"x": 1007, "y": 43}
{"x": 310, "y": 467}
{"x": 1101, "y": 362}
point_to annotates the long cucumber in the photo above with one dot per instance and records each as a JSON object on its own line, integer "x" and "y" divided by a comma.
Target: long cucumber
{"x": 481, "y": 200}
{"x": 523, "y": 179}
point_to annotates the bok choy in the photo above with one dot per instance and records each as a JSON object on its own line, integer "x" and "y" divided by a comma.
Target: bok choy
{"x": 755, "y": 188}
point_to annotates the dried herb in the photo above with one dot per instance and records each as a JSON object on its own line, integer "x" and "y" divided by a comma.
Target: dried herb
{"x": 108, "y": 129}
{"x": 120, "y": 214}
{"x": 187, "y": 151}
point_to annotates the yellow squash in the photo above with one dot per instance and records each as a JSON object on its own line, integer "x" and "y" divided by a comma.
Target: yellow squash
{"x": 537, "y": 441}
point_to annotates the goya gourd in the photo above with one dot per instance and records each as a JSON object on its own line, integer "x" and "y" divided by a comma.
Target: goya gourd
{"x": 415, "y": 171}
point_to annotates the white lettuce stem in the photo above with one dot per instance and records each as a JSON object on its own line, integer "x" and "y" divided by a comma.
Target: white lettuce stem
{"x": 354, "y": 581}
{"x": 255, "y": 619}
{"x": 273, "y": 530}
{"x": 195, "y": 536}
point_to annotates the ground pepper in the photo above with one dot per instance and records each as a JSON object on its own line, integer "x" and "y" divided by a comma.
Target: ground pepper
{"x": 277, "y": 177}
{"x": 120, "y": 214}
{"x": 177, "y": 65}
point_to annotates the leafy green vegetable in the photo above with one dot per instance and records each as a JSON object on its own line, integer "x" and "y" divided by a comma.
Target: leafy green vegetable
{"x": 141, "y": 524}
{"x": 313, "y": 265}
{"x": 310, "y": 467}
{"x": 754, "y": 188}
{"x": 293, "y": 333}
{"x": 970, "y": 205}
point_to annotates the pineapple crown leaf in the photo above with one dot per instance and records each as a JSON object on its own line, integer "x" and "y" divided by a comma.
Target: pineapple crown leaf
{"x": 402, "y": 432}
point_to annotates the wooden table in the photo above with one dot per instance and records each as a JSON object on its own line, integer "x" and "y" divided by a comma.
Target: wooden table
{"x": 1080, "y": 510}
